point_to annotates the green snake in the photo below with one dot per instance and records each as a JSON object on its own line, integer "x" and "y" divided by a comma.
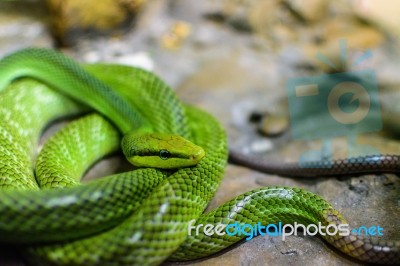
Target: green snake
{"x": 139, "y": 217}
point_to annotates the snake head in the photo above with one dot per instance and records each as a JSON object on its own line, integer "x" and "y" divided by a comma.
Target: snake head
{"x": 160, "y": 150}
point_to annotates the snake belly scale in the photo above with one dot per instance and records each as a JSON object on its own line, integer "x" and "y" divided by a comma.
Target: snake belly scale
{"x": 139, "y": 217}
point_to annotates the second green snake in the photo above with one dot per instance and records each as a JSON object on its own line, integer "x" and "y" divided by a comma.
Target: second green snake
{"x": 135, "y": 218}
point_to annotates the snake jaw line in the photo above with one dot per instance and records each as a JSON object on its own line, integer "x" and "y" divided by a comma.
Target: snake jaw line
{"x": 170, "y": 163}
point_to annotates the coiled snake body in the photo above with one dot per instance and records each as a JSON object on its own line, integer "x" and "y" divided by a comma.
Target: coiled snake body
{"x": 139, "y": 217}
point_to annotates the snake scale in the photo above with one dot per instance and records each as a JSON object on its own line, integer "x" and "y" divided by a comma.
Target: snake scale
{"x": 139, "y": 217}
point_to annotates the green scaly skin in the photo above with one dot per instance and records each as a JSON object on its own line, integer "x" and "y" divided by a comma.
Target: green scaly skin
{"x": 22, "y": 129}
{"x": 140, "y": 217}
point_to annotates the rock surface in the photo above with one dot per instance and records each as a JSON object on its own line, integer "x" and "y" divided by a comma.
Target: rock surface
{"x": 234, "y": 58}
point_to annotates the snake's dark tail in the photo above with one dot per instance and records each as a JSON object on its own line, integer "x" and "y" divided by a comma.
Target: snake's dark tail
{"x": 369, "y": 249}
{"x": 349, "y": 166}
{"x": 283, "y": 205}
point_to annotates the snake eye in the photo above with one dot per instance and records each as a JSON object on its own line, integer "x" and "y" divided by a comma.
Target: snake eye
{"x": 164, "y": 154}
